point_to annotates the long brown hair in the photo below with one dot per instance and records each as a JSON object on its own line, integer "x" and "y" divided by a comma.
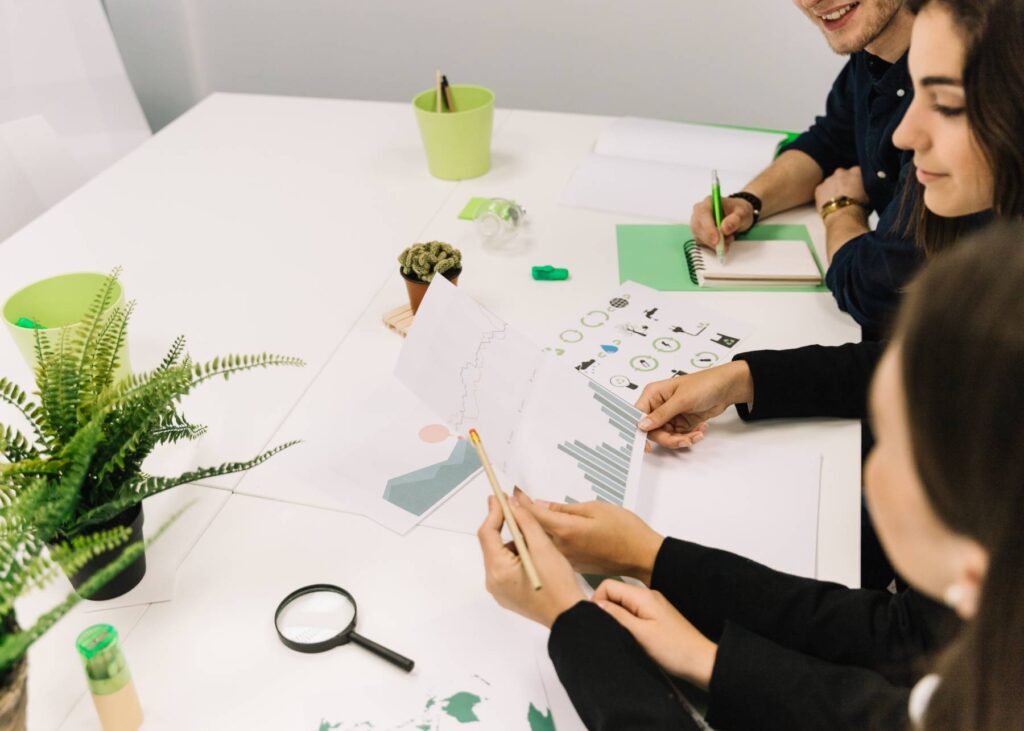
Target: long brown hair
{"x": 993, "y": 77}
{"x": 962, "y": 360}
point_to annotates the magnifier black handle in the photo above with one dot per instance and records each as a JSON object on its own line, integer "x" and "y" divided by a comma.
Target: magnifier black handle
{"x": 390, "y": 655}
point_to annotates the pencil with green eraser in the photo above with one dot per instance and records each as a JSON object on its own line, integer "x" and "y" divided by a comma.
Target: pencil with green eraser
{"x": 716, "y": 208}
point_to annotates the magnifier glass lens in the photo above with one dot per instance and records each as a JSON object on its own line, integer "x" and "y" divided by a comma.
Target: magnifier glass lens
{"x": 315, "y": 617}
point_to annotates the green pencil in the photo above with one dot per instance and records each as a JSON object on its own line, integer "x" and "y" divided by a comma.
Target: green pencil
{"x": 716, "y": 207}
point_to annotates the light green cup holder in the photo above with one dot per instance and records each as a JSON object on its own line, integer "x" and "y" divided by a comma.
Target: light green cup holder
{"x": 458, "y": 144}
{"x": 58, "y": 303}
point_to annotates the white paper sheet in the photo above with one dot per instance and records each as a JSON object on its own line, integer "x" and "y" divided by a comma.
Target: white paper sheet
{"x": 555, "y": 433}
{"x": 759, "y": 503}
{"x": 658, "y": 169}
{"x": 696, "y": 145}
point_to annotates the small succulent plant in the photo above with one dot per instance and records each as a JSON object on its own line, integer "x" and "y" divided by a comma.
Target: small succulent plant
{"x": 425, "y": 260}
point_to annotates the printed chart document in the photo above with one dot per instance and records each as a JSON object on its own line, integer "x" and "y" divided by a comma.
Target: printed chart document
{"x": 555, "y": 433}
{"x": 401, "y": 474}
{"x": 639, "y": 335}
{"x": 659, "y": 169}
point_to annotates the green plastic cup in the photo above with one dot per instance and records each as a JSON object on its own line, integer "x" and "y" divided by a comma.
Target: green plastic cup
{"x": 57, "y": 304}
{"x": 458, "y": 144}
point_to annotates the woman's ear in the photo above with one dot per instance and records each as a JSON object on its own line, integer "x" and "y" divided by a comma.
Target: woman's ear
{"x": 964, "y": 594}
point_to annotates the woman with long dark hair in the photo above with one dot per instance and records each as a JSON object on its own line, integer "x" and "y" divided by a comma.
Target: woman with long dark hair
{"x": 963, "y": 126}
{"x": 946, "y": 479}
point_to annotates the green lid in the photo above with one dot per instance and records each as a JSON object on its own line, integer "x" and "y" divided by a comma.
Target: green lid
{"x": 105, "y": 666}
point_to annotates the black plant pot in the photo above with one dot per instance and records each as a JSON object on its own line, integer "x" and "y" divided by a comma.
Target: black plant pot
{"x": 132, "y": 574}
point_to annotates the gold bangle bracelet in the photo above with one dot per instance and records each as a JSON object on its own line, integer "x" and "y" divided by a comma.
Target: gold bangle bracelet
{"x": 835, "y": 204}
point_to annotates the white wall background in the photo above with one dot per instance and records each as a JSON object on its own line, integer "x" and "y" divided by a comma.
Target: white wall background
{"x": 755, "y": 62}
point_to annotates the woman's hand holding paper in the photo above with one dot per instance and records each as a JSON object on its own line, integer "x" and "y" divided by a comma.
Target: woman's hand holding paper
{"x": 597, "y": 537}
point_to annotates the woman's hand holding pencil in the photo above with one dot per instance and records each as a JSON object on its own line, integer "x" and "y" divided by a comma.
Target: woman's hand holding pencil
{"x": 507, "y": 580}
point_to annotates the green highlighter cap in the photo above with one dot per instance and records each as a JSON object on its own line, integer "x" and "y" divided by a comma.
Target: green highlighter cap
{"x": 550, "y": 273}
{"x": 30, "y": 324}
{"x": 105, "y": 666}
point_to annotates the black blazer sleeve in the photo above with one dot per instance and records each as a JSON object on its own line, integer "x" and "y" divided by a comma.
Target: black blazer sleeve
{"x": 804, "y": 653}
{"x": 612, "y": 681}
{"x": 887, "y": 633}
{"x": 816, "y": 380}
{"x": 758, "y": 684}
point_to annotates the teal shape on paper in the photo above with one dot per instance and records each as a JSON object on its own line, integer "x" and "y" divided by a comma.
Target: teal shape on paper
{"x": 539, "y": 721}
{"x": 460, "y": 707}
{"x": 609, "y": 349}
{"x": 418, "y": 491}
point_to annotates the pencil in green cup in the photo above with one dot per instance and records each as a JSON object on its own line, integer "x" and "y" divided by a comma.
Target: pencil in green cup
{"x": 716, "y": 207}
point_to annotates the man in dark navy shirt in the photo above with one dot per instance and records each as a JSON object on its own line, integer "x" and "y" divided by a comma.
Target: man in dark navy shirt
{"x": 846, "y": 163}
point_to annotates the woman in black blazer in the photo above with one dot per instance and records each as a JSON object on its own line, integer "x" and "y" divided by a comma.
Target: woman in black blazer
{"x": 832, "y": 381}
{"x": 946, "y": 483}
{"x": 776, "y": 651}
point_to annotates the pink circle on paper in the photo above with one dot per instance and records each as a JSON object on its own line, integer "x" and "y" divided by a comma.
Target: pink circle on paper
{"x": 434, "y": 433}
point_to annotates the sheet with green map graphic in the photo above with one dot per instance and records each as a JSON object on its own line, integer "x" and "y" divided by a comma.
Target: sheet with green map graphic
{"x": 467, "y": 703}
{"x": 476, "y": 670}
{"x": 546, "y": 428}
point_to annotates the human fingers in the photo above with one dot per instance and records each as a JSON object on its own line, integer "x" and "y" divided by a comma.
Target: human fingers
{"x": 634, "y": 598}
{"x": 627, "y": 619}
{"x": 535, "y": 535}
{"x": 655, "y": 394}
{"x": 581, "y": 510}
{"x": 657, "y": 418}
{"x": 552, "y": 519}
{"x": 671, "y": 440}
{"x": 702, "y": 224}
{"x": 521, "y": 494}
{"x": 489, "y": 533}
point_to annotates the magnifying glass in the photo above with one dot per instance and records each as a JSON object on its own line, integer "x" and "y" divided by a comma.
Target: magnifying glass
{"x": 319, "y": 617}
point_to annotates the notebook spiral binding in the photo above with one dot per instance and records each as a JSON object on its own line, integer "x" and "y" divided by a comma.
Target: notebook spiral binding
{"x": 694, "y": 254}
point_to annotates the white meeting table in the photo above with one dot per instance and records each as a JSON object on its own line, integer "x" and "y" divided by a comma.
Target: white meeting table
{"x": 271, "y": 224}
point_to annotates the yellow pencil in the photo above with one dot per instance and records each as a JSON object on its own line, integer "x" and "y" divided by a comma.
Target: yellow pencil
{"x": 437, "y": 88}
{"x": 517, "y": 535}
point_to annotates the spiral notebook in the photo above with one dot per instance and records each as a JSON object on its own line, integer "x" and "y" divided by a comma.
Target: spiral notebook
{"x": 655, "y": 255}
{"x": 765, "y": 263}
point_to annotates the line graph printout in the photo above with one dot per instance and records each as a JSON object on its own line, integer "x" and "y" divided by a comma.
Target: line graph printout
{"x": 537, "y": 416}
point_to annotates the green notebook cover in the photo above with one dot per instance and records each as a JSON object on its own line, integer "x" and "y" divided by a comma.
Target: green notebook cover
{"x": 654, "y": 255}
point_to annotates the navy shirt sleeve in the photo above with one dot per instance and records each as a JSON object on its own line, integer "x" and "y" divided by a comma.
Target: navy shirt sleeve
{"x": 868, "y": 273}
{"x": 831, "y": 140}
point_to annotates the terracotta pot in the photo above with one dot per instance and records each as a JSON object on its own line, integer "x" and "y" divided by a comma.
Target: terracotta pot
{"x": 417, "y": 288}
{"x": 132, "y": 574}
{"x": 14, "y": 697}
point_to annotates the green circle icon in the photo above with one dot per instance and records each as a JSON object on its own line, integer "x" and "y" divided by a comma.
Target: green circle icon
{"x": 643, "y": 363}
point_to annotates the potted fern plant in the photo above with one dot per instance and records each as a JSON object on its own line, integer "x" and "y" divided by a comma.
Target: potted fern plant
{"x": 33, "y": 509}
{"x": 420, "y": 263}
{"x": 76, "y": 386}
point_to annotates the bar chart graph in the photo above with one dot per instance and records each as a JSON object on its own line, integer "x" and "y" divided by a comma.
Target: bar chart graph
{"x": 606, "y": 466}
